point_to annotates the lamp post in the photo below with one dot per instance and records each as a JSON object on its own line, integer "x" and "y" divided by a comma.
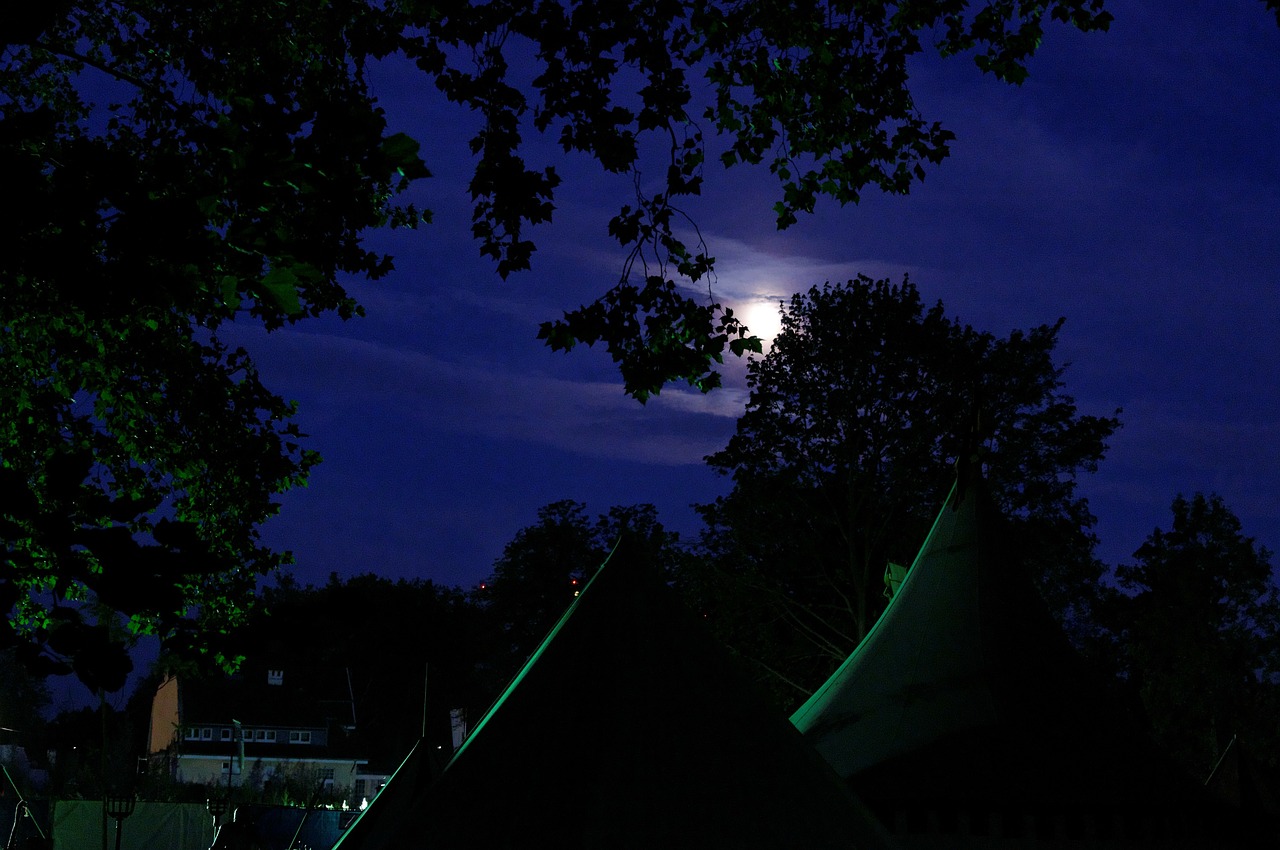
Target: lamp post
{"x": 118, "y": 807}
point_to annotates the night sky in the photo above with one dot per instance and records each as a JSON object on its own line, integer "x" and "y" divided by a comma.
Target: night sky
{"x": 1132, "y": 185}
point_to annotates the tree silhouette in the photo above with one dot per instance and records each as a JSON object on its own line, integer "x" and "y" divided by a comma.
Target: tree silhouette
{"x": 1199, "y": 630}
{"x": 546, "y": 564}
{"x": 848, "y": 445}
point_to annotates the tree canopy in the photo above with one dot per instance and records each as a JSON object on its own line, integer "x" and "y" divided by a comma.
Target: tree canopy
{"x": 1198, "y": 626}
{"x": 177, "y": 167}
{"x": 180, "y": 166}
{"x": 856, "y": 418}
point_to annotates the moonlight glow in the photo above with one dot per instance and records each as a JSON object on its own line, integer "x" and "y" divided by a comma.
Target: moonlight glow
{"x": 761, "y": 318}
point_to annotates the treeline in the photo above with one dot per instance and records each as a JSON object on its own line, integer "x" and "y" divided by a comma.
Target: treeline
{"x": 857, "y": 416}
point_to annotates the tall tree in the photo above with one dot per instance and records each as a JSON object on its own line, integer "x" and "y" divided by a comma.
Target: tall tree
{"x": 1199, "y": 629}
{"x": 230, "y": 172}
{"x": 856, "y": 418}
{"x": 180, "y": 165}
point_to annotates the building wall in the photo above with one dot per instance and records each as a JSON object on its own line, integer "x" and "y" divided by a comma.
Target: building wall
{"x": 164, "y": 716}
{"x": 210, "y": 769}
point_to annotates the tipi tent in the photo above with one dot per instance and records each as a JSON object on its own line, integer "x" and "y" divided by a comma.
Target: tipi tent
{"x": 377, "y": 826}
{"x": 965, "y": 713}
{"x": 629, "y": 728}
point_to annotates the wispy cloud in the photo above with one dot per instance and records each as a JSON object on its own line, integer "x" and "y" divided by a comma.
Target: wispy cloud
{"x": 748, "y": 273}
{"x": 341, "y": 377}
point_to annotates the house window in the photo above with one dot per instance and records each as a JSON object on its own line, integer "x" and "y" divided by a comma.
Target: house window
{"x": 271, "y": 734}
{"x": 192, "y": 734}
{"x": 260, "y": 734}
{"x": 206, "y": 734}
{"x": 360, "y": 788}
{"x": 327, "y": 774}
{"x": 300, "y": 737}
{"x": 226, "y": 734}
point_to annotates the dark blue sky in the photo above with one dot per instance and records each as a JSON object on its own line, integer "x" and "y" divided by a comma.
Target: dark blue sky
{"x": 1132, "y": 185}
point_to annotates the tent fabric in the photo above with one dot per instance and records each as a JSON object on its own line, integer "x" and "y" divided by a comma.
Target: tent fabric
{"x": 966, "y": 695}
{"x": 77, "y": 825}
{"x": 630, "y": 728}
{"x": 1247, "y": 784}
{"x": 377, "y": 826}
{"x": 963, "y": 645}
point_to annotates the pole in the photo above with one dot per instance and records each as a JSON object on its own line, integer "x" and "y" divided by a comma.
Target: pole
{"x": 426, "y": 668}
{"x": 23, "y": 803}
{"x": 102, "y": 712}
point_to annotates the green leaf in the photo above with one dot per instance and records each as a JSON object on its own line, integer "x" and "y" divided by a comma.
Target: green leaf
{"x": 281, "y": 284}
{"x": 230, "y": 290}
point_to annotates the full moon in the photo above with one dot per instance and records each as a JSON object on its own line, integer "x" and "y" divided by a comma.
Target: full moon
{"x": 762, "y": 319}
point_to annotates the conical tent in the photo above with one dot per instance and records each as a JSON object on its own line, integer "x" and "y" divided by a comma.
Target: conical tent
{"x": 630, "y": 728}
{"x": 966, "y": 702}
{"x": 377, "y": 826}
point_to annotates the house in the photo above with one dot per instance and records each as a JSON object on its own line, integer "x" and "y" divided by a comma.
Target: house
{"x": 275, "y": 723}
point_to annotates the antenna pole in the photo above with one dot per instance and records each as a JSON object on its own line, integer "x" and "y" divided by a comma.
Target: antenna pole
{"x": 426, "y": 668}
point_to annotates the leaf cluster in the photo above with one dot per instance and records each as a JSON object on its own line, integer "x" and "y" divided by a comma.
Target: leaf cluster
{"x": 816, "y": 89}
{"x": 178, "y": 167}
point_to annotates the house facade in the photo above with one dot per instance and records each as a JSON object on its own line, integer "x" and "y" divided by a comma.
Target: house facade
{"x": 271, "y": 725}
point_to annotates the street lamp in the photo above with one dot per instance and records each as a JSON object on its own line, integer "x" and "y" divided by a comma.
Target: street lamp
{"x": 118, "y": 807}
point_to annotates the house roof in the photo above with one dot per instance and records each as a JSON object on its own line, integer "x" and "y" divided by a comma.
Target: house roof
{"x": 304, "y": 698}
{"x": 628, "y": 727}
{"x": 967, "y": 692}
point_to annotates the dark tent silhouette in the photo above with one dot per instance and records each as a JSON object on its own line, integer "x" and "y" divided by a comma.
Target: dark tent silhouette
{"x": 629, "y": 727}
{"x": 375, "y": 828}
{"x": 965, "y": 718}
{"x": 1248, "y": 785}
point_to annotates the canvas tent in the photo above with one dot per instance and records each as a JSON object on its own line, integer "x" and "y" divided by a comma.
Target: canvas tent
{"x": 376, "y": 827}
{"x": 627, "y": 728}
{"x": 965, "y": 713}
